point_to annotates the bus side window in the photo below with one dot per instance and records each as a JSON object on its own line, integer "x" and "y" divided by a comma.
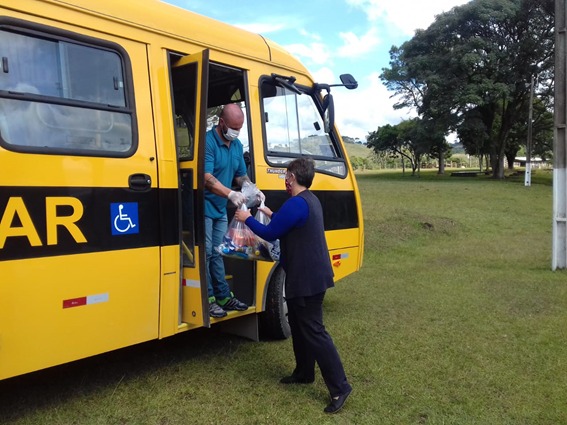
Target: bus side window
{"x": 184, "y": 88}
{"x": 18, "y": 120}
{"x": 63, "y": 97}
{"x": 184, "y": 81}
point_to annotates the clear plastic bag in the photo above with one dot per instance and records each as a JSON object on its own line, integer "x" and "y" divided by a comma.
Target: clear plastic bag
{"x": 273, "y": 247}
{"x": 241, "y": 242}
{"x": 251, "y": 193}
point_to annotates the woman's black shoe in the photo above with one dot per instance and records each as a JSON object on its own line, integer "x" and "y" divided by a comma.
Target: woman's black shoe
{"x": 337, "y": 403}
{"x": 292, "y": 379}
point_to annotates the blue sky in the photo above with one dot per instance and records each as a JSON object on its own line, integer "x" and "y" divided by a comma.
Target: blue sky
{"x": 333, "y": 37}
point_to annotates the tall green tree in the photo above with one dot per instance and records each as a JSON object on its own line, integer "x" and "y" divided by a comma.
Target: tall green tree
{"x": 472, "y": 67}
{"x": 410, "y": 139}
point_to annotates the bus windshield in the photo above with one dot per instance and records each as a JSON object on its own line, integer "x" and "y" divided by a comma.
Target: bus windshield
{"x": 294, "y": 127}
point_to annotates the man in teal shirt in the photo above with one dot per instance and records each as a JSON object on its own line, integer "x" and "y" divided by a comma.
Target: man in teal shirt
{"x": 224, "y": 162}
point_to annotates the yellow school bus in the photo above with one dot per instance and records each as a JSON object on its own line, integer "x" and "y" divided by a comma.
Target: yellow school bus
{"x": 104, "y": 106}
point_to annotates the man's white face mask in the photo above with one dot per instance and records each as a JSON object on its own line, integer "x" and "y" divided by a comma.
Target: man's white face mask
{"x": 230, "y": 134}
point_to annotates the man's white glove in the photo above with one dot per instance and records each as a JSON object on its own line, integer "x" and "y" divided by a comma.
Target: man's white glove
{"x": 237, "y": 198}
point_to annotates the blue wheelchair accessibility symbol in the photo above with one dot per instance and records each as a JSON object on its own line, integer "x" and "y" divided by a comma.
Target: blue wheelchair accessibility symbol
{"x": 124, "y": 218}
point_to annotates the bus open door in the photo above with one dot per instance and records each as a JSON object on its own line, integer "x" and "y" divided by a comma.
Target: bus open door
{"x": 200, "y": 90}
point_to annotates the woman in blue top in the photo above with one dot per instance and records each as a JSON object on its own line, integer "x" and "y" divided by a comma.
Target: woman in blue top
{"x": 305, "y": 258}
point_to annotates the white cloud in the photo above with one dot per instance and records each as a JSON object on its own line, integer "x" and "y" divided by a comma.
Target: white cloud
{"x": 355, "y": 46}
{"x": 320, "y": 54}
{"x": 366, "y": 108}
{"x": 305, "y": 33}
{"x": 317, "y": 53}
{"x": 324, "y": 75}
{"x": 407, "y": 15}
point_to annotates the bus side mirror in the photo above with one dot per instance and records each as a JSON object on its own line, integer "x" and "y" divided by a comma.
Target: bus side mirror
{"x": 348, "y": 81}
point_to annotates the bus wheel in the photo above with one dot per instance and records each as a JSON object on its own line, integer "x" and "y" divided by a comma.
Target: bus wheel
{"x": 273, "y": 322}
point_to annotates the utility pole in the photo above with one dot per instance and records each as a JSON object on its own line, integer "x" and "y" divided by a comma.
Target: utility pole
{"x": 528, "y": 175}
{"x": 559, "y": 247}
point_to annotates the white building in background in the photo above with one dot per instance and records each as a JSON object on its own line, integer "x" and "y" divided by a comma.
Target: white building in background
{"x": 536, "y": 162}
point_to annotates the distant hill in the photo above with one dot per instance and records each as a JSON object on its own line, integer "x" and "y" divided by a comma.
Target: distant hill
{"x": 355, "y": 149}
{"x": 348, "y": 139}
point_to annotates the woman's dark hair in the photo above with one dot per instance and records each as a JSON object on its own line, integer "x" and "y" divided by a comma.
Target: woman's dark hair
{"x": 303, "y": 169}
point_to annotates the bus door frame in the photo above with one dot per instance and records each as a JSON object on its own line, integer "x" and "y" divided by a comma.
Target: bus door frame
{"x": 194, "y": 311}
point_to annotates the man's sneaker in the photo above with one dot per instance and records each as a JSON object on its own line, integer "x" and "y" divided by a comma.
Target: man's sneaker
{"x": 216, "y": 310}
{"x": 234, "y": 304}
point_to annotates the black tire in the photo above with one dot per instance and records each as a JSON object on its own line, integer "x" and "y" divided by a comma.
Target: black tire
{"x": 273, "y": 322}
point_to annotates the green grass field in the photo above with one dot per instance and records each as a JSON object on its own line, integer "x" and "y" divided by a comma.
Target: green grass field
{"x": 455, "y": 318}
